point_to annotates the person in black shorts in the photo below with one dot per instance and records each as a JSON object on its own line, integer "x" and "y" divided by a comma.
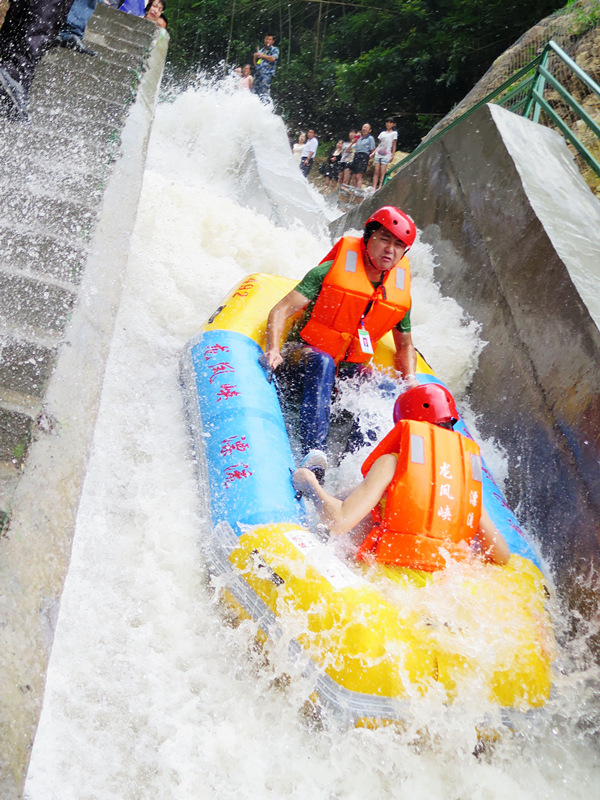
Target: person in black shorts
{"x": 363, "y": 152}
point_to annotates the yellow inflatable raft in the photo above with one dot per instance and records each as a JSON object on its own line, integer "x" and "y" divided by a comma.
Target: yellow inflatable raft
{"x": 373, "y": 639}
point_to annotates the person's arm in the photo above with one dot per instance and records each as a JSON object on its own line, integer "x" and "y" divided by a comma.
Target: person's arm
{"x": 269, "y": 58}
{"x": 341, "y": 516}
{"x": 405, "y": 357}
{"x": 279, "y": 314}
{"x": 493, "y": 545}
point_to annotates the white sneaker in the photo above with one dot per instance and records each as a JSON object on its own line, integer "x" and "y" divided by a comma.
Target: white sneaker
{"x": 316, "y": 461}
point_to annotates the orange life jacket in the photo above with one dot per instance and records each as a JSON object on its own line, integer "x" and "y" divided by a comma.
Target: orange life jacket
{"x": 433, "y": 501}
{"x": 344, "y": 297}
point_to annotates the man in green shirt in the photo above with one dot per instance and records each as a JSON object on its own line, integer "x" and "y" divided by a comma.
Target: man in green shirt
{"x": 388, "y": 235}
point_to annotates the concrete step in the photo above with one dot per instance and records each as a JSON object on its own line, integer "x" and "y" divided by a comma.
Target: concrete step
{"x": 18, "y": 413}
{"x": 42, "y": 213}
{"x": 101, "y": 112}
{"x": 58, "y": 139}
{"x": 76, "y": 186}
{"x": 113, "y": 47}
{"x": 26, "y": 360}
{"x": 41, "y": 253}
{"x": 124, "y": 31}
{"x": 75, "y": 64}
{"x": 63, "y": 76}
{"x": 33, "y": 302}
{"x": 9, "y": 477}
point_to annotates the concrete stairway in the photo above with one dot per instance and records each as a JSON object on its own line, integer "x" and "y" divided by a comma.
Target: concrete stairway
{"x": 69, "y": 188}
{"x": 52, "y": 176}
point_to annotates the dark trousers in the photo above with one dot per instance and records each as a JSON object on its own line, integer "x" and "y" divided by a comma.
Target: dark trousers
{"x": 309, "y": 375}
{"x": 79, "y": 16}
{"x": 28, "y": 31}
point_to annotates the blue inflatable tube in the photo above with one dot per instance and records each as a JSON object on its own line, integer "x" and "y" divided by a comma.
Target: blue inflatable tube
{"x": 247, "y": 449}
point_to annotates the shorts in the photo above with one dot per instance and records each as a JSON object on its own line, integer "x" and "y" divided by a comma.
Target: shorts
{"x": 306, "y": 165}
{"x": 360, "y": 163}
{"x": 383, "y": 159}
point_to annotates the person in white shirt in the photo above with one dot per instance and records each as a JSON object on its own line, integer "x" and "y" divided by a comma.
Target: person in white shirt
{"x": 309, "y": 152}
{"x": 385, "y": 152}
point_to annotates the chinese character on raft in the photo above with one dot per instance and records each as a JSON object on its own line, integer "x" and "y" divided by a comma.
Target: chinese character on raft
{"x": 215, "y": 350}
{"x": 233, "y": 444}
{"x": 221, "y": 368}
{"x": 474, "y": 498}
{"x": 226, "y": 391}
{"x": 235, "y": 473}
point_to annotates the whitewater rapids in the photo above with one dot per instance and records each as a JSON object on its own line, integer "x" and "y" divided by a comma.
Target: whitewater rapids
{"x": 149, "y": 694}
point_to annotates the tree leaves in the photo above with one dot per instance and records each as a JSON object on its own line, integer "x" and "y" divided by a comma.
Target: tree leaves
{"x": 342, "y": 64}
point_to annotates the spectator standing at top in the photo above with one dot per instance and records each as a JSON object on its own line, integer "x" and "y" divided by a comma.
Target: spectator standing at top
{"x": 365, "y": 147}
{"x": 308, "y": 153}
{"x": 385, "y": 152}
{"x": 28, "y": 31}
{"x": 265, "y": 62}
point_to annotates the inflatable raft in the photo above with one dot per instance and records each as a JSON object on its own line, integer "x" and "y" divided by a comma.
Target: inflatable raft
{"x": 373, "y": 641}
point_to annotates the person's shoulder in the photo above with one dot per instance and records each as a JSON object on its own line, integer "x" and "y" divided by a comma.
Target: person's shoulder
{"x": 311, "y": 283}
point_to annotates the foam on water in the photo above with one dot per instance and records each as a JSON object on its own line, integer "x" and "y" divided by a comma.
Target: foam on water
{"x": 149, "y": 693}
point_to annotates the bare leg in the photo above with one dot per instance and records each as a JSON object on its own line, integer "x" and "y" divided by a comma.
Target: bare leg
{"x": 377, "y": 168}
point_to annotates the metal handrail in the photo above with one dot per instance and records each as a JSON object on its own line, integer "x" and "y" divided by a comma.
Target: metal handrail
{"x": 532, "y": 79}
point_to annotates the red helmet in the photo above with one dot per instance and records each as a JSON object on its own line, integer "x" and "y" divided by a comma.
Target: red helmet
{"x": 395, "y": 221}
{"x": 428, "y": 403}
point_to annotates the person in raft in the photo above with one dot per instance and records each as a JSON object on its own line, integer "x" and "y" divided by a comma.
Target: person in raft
{"x": 357, "y": 294}
{"x": 422, "y": 485}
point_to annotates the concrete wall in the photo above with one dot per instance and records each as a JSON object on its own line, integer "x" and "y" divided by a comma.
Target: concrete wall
{"x": 69, "y": 189}
{"x": 514, "y": 228}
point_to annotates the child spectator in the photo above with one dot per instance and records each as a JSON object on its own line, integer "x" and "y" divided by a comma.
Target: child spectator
{"x": 347, "y": 157}
{"x": 385, "y": 152}
{"x": 331, "y": 168}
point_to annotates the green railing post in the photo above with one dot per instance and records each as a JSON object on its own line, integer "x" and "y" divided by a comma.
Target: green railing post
{"x": 532, "y": 78}
{"x": 538, "y": 87}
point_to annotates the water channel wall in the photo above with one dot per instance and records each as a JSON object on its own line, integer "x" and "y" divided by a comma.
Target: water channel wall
{"x": 515, "y": 231}
{"x": 70, "y": 182}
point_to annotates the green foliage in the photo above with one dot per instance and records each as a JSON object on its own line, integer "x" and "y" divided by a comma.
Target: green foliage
{"x": 343, "y": 65}
{"x": 586, "y": 15}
